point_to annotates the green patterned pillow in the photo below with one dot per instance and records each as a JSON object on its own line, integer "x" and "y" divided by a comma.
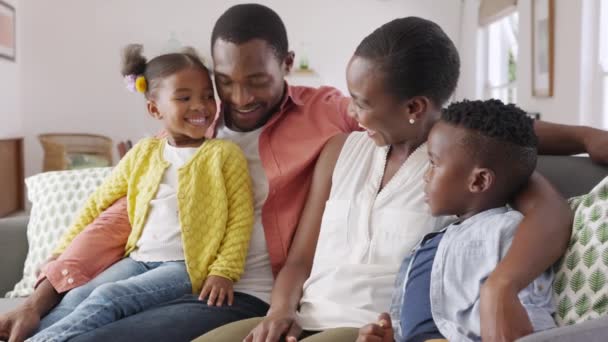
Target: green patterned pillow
{"x": 56, "y": 198}
{"x": 581, "y": 280}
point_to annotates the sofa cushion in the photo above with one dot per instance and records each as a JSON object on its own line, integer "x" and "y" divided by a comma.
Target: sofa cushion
{"x": 9, "y": 304}
{"x": 56, "y": 197}
{"x": 581, "y": 282}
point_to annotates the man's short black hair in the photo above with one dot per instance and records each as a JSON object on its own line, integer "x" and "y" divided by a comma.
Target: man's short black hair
{"x": 501, "y": 136}
{"x": 242, "y": 23}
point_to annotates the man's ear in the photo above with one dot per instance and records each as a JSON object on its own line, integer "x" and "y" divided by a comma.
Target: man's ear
{"x": 288, "y": 62}
{"x": 153, "y": 110}
{"x": 481, "y": 180}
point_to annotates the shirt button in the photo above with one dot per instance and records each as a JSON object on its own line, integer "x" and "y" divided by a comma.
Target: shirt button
{"x": 64, "y": 272}
{"x": 181, "y": 196}
{"x": 186, "y": 229}
{"x": 70, "y": 280}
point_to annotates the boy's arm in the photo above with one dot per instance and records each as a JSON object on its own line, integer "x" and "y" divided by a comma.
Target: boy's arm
{"x": 113, "y": 187}
{"x": 539, "y": 241}
{"x": 566, "y": 140}
{"x": 230, "y": 260}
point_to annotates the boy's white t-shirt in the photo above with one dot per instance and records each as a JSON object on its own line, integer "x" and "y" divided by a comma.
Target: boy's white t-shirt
{"x": 161, "y": 239}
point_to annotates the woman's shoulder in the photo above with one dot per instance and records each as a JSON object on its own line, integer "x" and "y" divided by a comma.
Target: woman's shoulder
{"x": 358, "y": 146}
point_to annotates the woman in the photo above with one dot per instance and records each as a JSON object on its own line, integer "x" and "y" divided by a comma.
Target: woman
{"x": 399, "y": 78}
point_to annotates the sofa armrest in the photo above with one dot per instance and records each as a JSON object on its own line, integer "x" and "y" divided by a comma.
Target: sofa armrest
{"x": 595, "y": 330}
{"x": 13, "y": 250}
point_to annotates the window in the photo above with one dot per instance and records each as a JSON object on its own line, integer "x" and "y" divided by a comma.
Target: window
{"x": 603, "y": 57}
{"x": 499, "y": 45}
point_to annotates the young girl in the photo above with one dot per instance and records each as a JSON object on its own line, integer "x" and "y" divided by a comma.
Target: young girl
{"x": 189, "y": 203}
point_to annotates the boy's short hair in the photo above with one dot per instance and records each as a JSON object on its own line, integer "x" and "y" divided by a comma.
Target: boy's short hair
{"x": 501, "y": 137}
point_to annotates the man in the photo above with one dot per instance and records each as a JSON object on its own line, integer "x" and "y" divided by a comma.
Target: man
{"x": 281, "y": 129}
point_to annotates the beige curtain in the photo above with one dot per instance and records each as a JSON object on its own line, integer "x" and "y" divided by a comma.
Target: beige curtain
{"x": 492, "y": 10}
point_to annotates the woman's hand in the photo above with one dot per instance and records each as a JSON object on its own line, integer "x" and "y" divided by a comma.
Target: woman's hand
{"x": 503, "y": 317}
{"x": 596, "y": 144}
{"x": 275, "y": 325}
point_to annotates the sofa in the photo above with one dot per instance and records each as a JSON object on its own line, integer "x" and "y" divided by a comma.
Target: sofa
{"x": 571, "y": 175}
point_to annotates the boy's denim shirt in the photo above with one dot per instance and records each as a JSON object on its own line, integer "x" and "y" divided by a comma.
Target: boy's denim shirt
{"x": 466, "y": 256}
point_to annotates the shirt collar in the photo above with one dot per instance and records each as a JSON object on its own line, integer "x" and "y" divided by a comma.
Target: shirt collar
{"x": 486, "y": 213}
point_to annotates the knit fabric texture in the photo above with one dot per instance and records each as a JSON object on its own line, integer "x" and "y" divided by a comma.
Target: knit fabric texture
{"x": 215, "y": 202}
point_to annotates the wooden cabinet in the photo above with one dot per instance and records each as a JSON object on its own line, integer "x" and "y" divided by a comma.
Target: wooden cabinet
{"x": 11, "y": 176}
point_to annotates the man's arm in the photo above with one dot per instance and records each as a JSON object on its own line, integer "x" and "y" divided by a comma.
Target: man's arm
{"x": 566, "y": 140}
{"x": 539, "y": 242}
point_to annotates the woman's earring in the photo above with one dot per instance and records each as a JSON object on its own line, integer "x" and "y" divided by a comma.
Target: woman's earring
{"x": 412, "y": 121}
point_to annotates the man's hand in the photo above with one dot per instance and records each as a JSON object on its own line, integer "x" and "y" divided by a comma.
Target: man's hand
{"x": 377, "y": 332}
{"x": 275, "y": 325}
{"x": 218, "y": 289}
{"x": 503, "y": 317}
{"x": 18, "y": 324}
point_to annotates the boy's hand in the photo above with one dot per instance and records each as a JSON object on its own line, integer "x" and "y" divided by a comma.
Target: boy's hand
{"x": 217, "y": 288}
{"x": 377, "y": 332}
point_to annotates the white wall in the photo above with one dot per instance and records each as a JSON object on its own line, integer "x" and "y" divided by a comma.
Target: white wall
{"x": 70, "y": 52}
{"x": 564, "y": 106}
{"x": 10, "y": 114}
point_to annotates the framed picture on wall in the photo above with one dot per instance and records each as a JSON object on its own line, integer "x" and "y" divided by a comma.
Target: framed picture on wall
{"x": 8, "y": 36}
{"x": 543, "y": 22}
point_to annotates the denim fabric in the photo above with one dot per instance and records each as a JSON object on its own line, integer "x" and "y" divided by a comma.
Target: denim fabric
{"x": 181, "y": 320}
{"x": 123, "y": 269}
{"x": 155, "y": 283}
{"x": 466, "y": 256}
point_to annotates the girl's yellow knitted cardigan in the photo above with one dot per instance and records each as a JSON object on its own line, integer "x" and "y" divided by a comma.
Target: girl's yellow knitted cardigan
{"x": 215, "y": 203}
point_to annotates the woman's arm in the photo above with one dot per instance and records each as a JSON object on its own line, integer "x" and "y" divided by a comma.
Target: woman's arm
{"x": 287, "y": 289}
{"x": 566, "y": 140}
{"x": 539, "y": 242}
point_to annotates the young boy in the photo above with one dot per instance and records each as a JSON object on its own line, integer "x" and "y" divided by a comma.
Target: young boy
{"x": 481, "y": 153}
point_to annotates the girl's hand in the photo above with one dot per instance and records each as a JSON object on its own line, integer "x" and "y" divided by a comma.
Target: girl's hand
{"x": 275, "y": 325}
{"x": 218, "y": 289}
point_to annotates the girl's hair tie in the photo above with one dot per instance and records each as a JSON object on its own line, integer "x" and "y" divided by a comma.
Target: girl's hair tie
{"x": 136, "y": 83}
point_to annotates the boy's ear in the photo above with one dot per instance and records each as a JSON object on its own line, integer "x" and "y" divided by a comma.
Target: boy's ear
{"x": 481, "y": 180}
{"x": 153, "y": 110}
